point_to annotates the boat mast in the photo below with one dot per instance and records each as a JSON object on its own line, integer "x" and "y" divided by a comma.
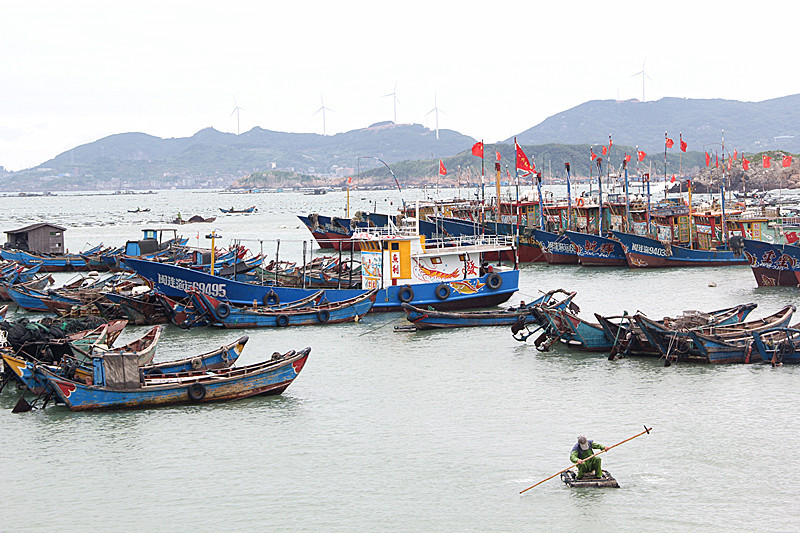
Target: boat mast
{"x": 569, "y": 200}
{"x": 627, "y": 199}
{"x": 722, "y": 189}
{"x": 600, "y": 196}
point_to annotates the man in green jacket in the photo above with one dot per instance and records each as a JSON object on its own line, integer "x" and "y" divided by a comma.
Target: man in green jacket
{"x": 582, "y": 454}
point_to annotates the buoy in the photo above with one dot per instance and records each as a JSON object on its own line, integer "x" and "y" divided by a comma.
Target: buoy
{"x": 712, "y": 284}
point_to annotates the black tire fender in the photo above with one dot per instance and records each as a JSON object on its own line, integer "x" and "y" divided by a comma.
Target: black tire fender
{"x": 282, "y": 321}
{"x": 442, "y": 291}
{"x": 494, "y": 281}
{"x": 196, "y": 392}
{"x": 323, "y": 315}
{"x": 271, "y": 298}
{"x": 405, "y": 294}
{"x": 223, "y": 310}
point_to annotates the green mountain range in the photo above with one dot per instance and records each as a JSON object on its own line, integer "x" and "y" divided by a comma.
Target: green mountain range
{"x": 211, "y": 158}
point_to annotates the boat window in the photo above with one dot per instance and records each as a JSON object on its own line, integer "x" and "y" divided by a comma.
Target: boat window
{"x": 461, "y": 257}
{"x": 436, "y": 260}
{"x": 395, "y": 246}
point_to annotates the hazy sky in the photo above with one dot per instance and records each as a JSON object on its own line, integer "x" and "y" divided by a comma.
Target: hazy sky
{"x": 72, "y": 72}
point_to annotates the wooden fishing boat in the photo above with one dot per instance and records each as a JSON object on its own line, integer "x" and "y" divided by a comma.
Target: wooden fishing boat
{"x": 680, "y": 345}
{"x": 144, "y": 347}
{"x": 36, "y": 284}
{"x": 538, "y": 321}
{"x": 233, "y": 210}
{"x": 777, "y": 345}
{"x": 594, "y": 250}
{"x": 629, "y": 339}
{"x": 571, "y": 479}
{"x": 117, "y": 383}
{"x": 432, "y": 319}
{"x": 227, "y": 316}
{"x": 139, "y": 210}
{"x": 773, "y": 264}
{"x": 574, "y": 331}
{"x": 557, "y": 249}
{"x": 192, "y": 220}
{"x": 223, "y": 357}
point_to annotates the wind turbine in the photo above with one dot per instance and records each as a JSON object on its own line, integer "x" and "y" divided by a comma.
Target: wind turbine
{"x": 436, "y": 110}
{"x": 236, "y": 110}
{"x": 393, "y": 94}
{"x": 644, "y": 75}
{"x": 323, "y": 109}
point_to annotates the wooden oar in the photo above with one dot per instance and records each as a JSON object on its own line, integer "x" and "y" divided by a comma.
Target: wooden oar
{"x": 646, "y": 430}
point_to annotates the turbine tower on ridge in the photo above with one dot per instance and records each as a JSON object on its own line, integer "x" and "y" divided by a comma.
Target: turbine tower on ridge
{"x": 435, "y": 110}
{"x": 644, "y": 75}
{"x": 236, "y": 110}
{"x": 323, "y": 109}
{"x": 393, "y": 94}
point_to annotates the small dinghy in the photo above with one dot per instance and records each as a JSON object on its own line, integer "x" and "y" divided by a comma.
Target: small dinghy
{"x": 571, "y": 480}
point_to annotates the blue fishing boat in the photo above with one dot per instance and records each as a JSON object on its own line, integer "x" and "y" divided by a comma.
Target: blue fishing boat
{"x": 117, "y": 383}
{"x": 558, "y": 249}
{"x": 228, "y": 316}
{"x": 679, "y": 344}
{"x": 52, "y": 263}
{"x": 644, "y": 252}
{"x": 594, "y": 250}
{"x": 773, "y": 264}
{"x": 233, "y": 210}
{"x": 433, "y": 319}
{"x": 35, "y": 300}
{"x": 777, "y": 345}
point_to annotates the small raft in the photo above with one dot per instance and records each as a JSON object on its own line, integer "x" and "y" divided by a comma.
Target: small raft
{"x": 570, "y": 479}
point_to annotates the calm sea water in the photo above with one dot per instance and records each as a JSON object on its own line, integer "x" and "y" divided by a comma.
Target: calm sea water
{"x": 426, "y": 431}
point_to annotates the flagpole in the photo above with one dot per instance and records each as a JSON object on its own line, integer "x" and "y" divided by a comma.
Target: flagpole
{"x": 724, "y": 225}
{"x": 627, "y": 198}
{"x": 691, "y": 217}
{"x": 483, "y": 180}
{"x": 600, "y": 194}
{"x": 665, "y": 165}
{"x": 680, "y": 163}
{"x": 569, "y": 200}
{"x": 497, "y": 189}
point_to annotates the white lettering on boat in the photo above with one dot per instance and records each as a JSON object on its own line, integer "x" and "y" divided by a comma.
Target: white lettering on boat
{"x": 216, "y": 290}
{"x": 649, "y": 250}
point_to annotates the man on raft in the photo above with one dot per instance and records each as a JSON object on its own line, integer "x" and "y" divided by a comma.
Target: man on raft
{"x": 582, "y": 454}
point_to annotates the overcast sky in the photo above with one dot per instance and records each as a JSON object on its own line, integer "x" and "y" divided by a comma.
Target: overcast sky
{"x": 74, "y": 72}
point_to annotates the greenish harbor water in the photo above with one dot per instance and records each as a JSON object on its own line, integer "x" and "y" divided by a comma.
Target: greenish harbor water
{"x": 422, "y": 431}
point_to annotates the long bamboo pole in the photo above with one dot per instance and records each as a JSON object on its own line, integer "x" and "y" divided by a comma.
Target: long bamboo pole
{"x": 646, "y": 430}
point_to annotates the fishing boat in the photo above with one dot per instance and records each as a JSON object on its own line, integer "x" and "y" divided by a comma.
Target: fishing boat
{"x": 571, "y": 479}
{"x": 773, "y": 265}
{"x": 143, "y": 347}
{"x": 234, "y": 210}
{"x": 191, "y": 220}
{"x": 117, "y": 383}
{"x": 595, "y": 250}
{"x": 139, "y": 210}
{"x": 557, "y": 248}
{"x": 432, "y": 319}
{"x": 645, "y": 252}
{"x": 680, "y": 345}
{"x": 225, "y": 315}
{"x": 223, "y": 357}
{"x": 777, "y": 345}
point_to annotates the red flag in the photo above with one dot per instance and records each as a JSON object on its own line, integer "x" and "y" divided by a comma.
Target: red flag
{"x": 708, "y": 159}
{"x": 669, "y": 142}
{"x": 592, "y": 155}
{"x": 350, "y": 180}
{"x": 641, "y": 155}
{"x": 729, "y": 164}
{"x": 673, "y": 179}
{"x": 683, "y": 145}
{"x": 716, "y": 160}
{"x": 497, "y": 155}
{"x": 522, "y": 159}
{"x": 610, "y": 142}
{"x": 442, "y": 170}
{"x": 689, "y": 184}
{"x": 477, "y": 149}
{"x": 745, "y": 163}
{"x": 735, "y": 155}
{"x": 787, "y": 161}
{"x": 627, "y": 158}
{"x": 766, "y": 161}
{"x": 605, "y": 150}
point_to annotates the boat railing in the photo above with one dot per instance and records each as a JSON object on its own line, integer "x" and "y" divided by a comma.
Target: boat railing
{"x": 466, "y": 242}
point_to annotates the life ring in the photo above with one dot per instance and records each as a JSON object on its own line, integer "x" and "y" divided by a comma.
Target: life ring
{"x": 282, "y": 321}
{"x": 323, "y": 315}
{"x": 442, "y": 291}
{"x": 494, "y": 281}
{"x": 406, "y": 293}
{"x": 579, "y": 202}
{"x": 271, "y": 298}
{"x": 196, "y": 392}
{"x": 223, "y": 310}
